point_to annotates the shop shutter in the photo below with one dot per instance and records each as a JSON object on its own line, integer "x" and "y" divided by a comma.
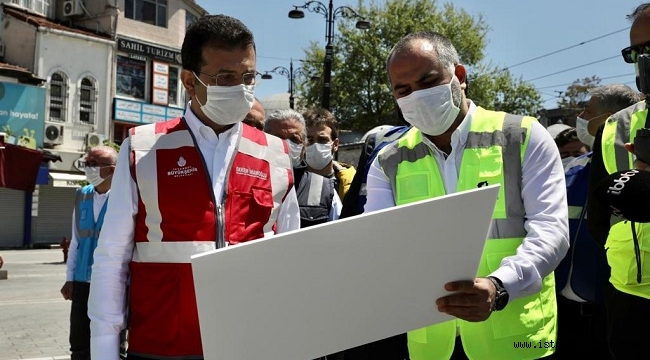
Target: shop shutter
{"x": 54, "y": 218}
{"x": 12, "y": 214}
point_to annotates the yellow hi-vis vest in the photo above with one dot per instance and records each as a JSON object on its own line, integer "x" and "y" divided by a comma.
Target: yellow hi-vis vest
{"x": 618, "y": 130}
{"x": 493, "y": 154}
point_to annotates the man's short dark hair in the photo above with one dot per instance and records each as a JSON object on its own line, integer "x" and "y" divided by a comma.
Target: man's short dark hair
{"x": 322, "y": 117}
{"x": 219, "y": 31}
{"x": 638, "y": 11}
{"x": 566, "y": 136}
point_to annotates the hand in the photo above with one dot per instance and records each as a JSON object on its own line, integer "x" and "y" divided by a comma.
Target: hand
{"x": 67, "y": 290}
{"x": 638, "y": 164}
{"x": 472, "y": 300}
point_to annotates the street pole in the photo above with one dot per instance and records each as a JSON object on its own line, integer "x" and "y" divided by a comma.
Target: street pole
{"x": 291, "y": 84}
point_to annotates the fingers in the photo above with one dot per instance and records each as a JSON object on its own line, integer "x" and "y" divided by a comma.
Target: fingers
{"x": 472, "y": 300}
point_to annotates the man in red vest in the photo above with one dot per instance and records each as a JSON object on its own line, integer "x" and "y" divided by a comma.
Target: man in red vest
{"x": 183, "y": 187}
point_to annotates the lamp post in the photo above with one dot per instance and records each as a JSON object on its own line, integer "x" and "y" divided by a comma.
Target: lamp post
{"x": 331, "y": 14}
{"x": 290, "y": 73}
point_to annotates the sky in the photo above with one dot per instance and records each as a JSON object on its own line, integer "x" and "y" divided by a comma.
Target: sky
{"x": 594, "y": 31}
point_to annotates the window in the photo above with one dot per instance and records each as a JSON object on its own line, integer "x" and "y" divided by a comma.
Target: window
{"x": 87, "y": 101}
{"x": 58, "y": 96}
{"x": 152, "y": 12}
{"x": 189, "y": 18}
{"x": 131, "y": 74}
{"x": 173, "y": 85}
{"x": 38, "y": 6}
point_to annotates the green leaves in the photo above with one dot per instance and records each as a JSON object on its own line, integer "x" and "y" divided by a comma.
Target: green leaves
{"x": 360, "y": 91}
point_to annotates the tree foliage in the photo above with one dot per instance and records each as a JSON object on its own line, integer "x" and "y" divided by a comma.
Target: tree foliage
{"x": 360, "y": 93}
{"x": 577, "y": 93}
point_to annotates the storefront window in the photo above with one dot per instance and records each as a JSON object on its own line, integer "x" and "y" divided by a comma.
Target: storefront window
{"x": 173, "y": 86}
{"x": 131, "y": 75}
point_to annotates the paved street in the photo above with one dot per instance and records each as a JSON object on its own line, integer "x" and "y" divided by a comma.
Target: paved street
{"x": 33, "y": 315}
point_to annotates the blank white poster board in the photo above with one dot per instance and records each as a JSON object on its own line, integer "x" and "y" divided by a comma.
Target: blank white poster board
{"x": 312, "y": 292}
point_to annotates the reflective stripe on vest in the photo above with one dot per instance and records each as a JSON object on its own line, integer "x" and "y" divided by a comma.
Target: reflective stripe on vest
{"x": 618, "y": 130}
{"x": 315, "y": 194}
{"x": 87, "y": 232}
{"x": 494, "y": 151}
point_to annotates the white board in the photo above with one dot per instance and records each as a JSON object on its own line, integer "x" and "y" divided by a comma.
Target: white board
{"x": 308, "y": 293}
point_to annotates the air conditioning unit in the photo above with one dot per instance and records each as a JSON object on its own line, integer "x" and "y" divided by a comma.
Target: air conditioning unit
{"x": 95, "y": 139}
{"x": 73, "y": 8}
{"x": 53, "y": 134}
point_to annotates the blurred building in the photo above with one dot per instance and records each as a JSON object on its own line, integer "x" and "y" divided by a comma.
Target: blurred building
{"x": 74, "y": 73}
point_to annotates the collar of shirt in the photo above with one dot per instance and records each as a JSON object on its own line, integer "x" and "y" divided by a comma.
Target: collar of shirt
{"x": 459, "y": 136}
{"x": 204, "y": 134}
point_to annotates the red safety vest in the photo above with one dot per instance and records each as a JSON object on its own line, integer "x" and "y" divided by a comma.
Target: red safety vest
{"x": 178, "y": 217}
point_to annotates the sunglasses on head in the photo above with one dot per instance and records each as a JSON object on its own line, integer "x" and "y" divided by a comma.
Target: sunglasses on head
{"x": 631, "y": 53}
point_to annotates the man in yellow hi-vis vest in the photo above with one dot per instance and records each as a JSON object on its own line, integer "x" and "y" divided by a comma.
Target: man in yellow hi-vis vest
{"x": 508, "y": 311}
{"x": 627, "y": 296}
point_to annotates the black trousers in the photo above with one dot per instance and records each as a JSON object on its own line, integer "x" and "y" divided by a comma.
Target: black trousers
{"x": 79, "y": 322}
{"x": 582, "y": 329}
{"x": 628, "y": 317}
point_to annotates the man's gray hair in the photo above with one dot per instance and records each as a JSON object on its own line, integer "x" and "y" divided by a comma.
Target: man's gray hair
{"x": 614, "y": 97}
{"x": 285, "y": 114}
{"x": 447, "y": 54}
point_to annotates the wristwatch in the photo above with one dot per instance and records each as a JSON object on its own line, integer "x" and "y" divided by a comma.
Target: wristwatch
{"x": 501, "y": 297}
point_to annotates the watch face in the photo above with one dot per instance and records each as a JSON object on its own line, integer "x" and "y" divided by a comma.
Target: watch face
{"x": 501, "y": 300}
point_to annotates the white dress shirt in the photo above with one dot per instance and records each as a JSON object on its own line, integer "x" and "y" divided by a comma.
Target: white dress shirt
{"x": 106, "y": 304}
{"x": 337, "y": 205}
{"x": 98, "y": 203}
{"x": 543, "y": 193}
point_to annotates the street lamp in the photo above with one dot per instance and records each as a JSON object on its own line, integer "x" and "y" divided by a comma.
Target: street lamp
{"x": 330, "y": 15}
{"x": 290, "y": 73}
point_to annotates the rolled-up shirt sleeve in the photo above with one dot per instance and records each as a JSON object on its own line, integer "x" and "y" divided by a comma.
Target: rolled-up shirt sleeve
{"x": 547, "y": 240}
{"x": 106, "y": 303}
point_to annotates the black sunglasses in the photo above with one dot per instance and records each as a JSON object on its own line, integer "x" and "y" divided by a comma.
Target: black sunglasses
{"x": 631, "y": 53}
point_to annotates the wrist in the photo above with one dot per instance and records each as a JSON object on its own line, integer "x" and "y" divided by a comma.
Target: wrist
{"x": 501, "y": 295}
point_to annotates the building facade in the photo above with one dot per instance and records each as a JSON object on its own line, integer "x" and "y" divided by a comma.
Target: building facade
{"x": 105, "y": 67}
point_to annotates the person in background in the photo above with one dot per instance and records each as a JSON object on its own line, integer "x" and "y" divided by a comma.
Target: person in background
{"x": 87, "y": 221}
{"x": 255, "y": 117}
{"x": 322, "y": 144}
{"x": 183, "y": 187}
{"x": 570, "y": 146}
{"x": 627, "y": 298}
{"x": 581, "y": 277}
{"x": 317, "y": 197}
{"x": 512, "y": 299}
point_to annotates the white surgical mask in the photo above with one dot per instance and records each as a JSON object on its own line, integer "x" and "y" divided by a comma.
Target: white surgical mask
{"x": 295, "y": 150}
{"x": 317, "y": 156}
{"x": 583, "y": 133}
{"x": 430, "y": 110}
{"x": 566, "y": 161}
{"x": 93, "y": 176}
{"x": 227, "y": 105}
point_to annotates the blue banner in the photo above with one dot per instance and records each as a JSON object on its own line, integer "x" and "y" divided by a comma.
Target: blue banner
{"x": 22, "y": 114}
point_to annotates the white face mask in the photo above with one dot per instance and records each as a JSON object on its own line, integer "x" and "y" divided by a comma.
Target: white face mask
{"x": 567, "y": 160}
{"x": 430, "y": 110}
{"x": 317, "y": 156}
{"x": 227, "y": 105}
{"x": 295, "y": 151}
{"x": 583, "y": 133}
{"x": 93, "y": 176}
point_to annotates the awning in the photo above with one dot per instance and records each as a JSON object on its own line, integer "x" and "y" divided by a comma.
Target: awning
{"x": 66, "y": 179}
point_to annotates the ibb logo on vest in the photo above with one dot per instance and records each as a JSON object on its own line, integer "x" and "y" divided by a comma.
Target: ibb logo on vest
{"x": 183, "y": 170}
{"x": 619, "y": 184}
